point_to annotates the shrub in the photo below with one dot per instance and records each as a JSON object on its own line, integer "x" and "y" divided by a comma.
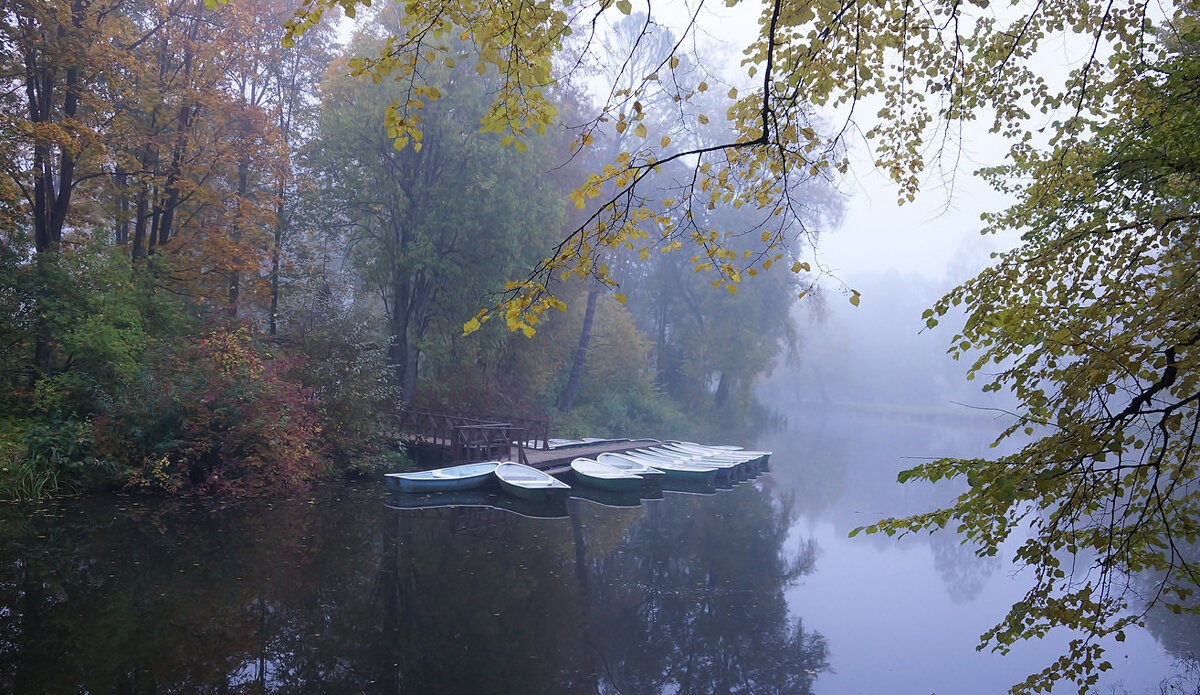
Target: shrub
{"x": 216, "y": 415}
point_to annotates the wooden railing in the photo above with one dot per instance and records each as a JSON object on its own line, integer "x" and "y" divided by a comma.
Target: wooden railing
{"x": 485, "y": 442}
{"x": 535, "y": 432}
{"x": 474, "y": 439}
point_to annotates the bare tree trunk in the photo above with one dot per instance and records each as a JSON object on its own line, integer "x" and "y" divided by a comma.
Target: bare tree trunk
{"x": 276, "y": 252}
{"x": 235, "y": 277}
{"x": 585, "y": 336}
{"x": 722, "y": 395}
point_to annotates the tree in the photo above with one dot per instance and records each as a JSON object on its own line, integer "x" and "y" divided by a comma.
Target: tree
{"x": 1092, "y": 321}
{"x": 433, "y": 227}
{"x": 1092, "y": 325}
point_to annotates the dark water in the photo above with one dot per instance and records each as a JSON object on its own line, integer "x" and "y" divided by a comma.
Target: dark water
{"x": 749, "y": 590}
{"x": 338, "y": 593}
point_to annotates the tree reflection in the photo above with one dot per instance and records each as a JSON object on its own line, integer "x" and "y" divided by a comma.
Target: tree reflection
{"x": 692, "y": 601}
{"x": 964, "y": 573}
{"x": 335, "y": 593}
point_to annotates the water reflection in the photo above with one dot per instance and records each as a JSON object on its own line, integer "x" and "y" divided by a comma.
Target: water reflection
{"x": 904, "y": 616}
{"x": 690, "y": 600}
{"x": 337, "y": 592}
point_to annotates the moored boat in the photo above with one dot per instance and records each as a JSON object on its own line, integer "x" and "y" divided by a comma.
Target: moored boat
{"x": 625, "y": 463}
{"x": 725, "y": 468}
{"x": 761, "y": 456}
{"x": 598, "y": 475}
{"x": 528, "y": 483}
{"x": 680, "y": 471}
{"x": 749, "y": 461}
{"x": 464, "y": 477}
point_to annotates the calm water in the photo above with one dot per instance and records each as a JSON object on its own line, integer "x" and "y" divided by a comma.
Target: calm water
{"x": 750, "y": 590}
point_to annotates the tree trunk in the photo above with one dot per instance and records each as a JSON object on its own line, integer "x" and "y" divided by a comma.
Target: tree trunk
{"x": 399, "y": 349}
{"x": 121, "y": 230}
{"x": 585, "y": 336}
{"x": 276, "y": 252}
{"x": 722, "y": 395}
{"x": 235, "y": 277}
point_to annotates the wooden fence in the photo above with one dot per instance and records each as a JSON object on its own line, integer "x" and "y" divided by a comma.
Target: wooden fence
{"x": 467, "y": 439}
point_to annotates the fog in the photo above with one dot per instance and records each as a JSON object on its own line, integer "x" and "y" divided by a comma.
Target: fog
{"x": 873, "y": 392}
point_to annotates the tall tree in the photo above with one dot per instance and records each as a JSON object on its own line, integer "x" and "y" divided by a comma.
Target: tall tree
{"x": 435, "y": 225}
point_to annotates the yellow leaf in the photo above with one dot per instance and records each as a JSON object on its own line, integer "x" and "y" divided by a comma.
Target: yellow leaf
{"x": 624, "y": 6}
{"x": 640, "y": 130}
{"x": 732, "y": 93}
{"x": 620, "y": 298}
{"x": 665, "y": 141}
{"x": 854, "y": 299}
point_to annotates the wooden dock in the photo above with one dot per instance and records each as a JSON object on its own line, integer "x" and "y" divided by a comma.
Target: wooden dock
{"x": 436, "y": 438}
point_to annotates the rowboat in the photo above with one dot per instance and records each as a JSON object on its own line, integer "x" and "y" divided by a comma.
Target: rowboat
{"x": 761, "y": 457}
{"x": 678, "y": 470}
{"x": 625, "y": 463}
{"x": 724, "y": 467}
{"x": 464, "y": 477}
{"x": 528, "y": 483}
{"x": 695, "y": 450}
{"x": 748, "y": 461}
{"x": 604, "y": 477}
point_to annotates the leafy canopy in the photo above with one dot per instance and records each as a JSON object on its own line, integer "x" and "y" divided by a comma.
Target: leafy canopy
{"x": 918, "y": 67}
{"x": 1092, "y": 324}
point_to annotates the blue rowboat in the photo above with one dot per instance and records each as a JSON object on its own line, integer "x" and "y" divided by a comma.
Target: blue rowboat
{"x": 464, "y": 477}
{"x": 530, "y": 484}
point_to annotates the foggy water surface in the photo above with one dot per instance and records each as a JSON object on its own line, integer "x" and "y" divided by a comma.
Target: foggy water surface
{"x": 756, "y": 589}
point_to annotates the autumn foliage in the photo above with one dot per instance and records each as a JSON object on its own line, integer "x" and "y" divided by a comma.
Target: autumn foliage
{"x": 216, "y": 415}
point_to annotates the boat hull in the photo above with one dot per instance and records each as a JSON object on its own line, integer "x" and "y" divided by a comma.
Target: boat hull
{"x": 455, "y": 478}
{"x": 530, "y": 484}
{"x": 603, "y": 477}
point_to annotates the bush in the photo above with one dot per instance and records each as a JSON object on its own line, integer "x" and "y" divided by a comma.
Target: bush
{"x": 214, "y": 414}
{"x": 344, "y": 361}
{"x": 40, "y": 458}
